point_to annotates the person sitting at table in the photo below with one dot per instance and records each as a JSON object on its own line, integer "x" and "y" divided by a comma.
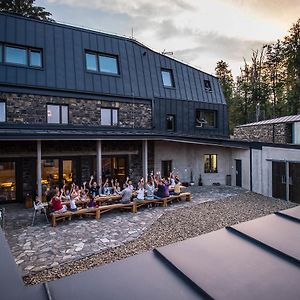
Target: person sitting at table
{"x": 141, "y": 190}
{"x": 106, "y": 188}
{"x": 66, "y": 194}
{"x": 56, "y": 203}
{"x": 129, "y": 183}
{"x": 94, "y": 188}
{"x": 91, "y": 202}
{"x": 177, "y": 186}
{"x": 126, "y": 194}
{"x": 75, "y": 193}
{"x": 162, "y": 188}
{"x": 172, "y": 180}
{"x": 150, "y": 188}
{"x": 116, "y": 186}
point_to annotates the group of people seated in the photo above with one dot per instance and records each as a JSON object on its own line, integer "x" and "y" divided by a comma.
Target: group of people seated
{"x": 154, "y": 188}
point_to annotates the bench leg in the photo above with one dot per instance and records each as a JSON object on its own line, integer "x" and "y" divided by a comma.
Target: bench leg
{"x": 134, "y": 208}
{"x": 98, "y": 214}
{"x": 165, "y": 203}
{"x": 53, "y": 221}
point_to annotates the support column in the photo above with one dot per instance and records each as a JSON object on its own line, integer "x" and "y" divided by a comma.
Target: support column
{"x": 145, "y": 160}
{"x": 99, "y": 161}
{"x": 287, "y": 181}
{"x": 39, "y": 169}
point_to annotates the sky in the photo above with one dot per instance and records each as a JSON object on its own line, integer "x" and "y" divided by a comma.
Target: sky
{"x": 198, "y": 32}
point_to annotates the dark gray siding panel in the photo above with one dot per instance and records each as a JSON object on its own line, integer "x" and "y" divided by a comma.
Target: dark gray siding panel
{"x": 64, "y": 63}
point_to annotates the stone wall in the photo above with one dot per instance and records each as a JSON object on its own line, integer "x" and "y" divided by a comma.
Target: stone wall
{"x": 268, "y": 133}
{"x": 32, "y": 109}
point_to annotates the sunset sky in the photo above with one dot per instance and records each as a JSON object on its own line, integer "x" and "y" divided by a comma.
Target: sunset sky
{"x": 199, "y": 32}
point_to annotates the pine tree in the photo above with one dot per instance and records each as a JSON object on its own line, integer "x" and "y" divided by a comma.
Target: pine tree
{"x": 292, "y": 60}
{"x": 25, "y": 8}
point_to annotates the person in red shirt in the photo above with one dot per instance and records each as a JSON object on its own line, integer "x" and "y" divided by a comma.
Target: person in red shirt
{"x": 56, "y": 203}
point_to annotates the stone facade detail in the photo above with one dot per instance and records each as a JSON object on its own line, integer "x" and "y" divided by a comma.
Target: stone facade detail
{"x": 268, "y": 133}
{"x": 32, "y": 109}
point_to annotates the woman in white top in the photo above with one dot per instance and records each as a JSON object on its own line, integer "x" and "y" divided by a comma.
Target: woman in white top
{"x": 141, "y": 190}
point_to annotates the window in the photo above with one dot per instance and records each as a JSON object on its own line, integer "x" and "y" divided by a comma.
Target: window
{"x": 18, "y": 55}
{"x": 109, "y": 117}
{"x": 167, "y": 78}
{"x": 102, "y": 63}
{"x": 206, "y": 118}
{"x": 207, "y": 86}
{"x": 170, "y": 122}
{"x": 91, "y": 62}
{"x": 57, "y": 114}
{"x": 15, "y": 55}
{"x": 210, "y": 163}
{"x": 35, "y": 58}
{"x": 166, "y": 168}
{"x": 108, "y": 64}
{"x": 2, "y": 112}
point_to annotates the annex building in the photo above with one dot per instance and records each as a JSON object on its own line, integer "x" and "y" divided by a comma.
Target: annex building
{"x": 76, "y": 102}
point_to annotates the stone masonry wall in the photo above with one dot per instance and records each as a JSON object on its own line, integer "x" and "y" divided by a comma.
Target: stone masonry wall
{"x": 269, "y": 133}
{"x": 32, "y": 109}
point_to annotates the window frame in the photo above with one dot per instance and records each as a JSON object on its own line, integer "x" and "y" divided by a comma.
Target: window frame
{"x": 110, "y": 56}
{"x": 173, "y": 123}
{"x": 60, "y": 113}
{"x": 5, "y": 111}
{"x": 111, "y": 109}
{"x": 170, "y": 71}
{"x": 209, "y": 87}
{"x": 28, "y": 50}
{"x": 98, "y": 65}
{"x": 202, "y": 117}
{"x": 210, "y": 164}
{"x": 29, "y": 58}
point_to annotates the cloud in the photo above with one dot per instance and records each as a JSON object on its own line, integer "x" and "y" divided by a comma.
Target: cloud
{"x": 284, "y": 11}
{"x": 133, "y": 8}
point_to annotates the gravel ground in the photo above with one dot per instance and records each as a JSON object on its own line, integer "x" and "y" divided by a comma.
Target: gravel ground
{"x": 172, "y": 227}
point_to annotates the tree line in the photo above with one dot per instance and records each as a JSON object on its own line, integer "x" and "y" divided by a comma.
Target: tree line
{"x": 268, "y": 86}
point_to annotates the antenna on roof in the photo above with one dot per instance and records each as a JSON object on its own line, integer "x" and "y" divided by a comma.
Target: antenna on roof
{"x": 164, "y": 52}
{"x": 132, "y": 32}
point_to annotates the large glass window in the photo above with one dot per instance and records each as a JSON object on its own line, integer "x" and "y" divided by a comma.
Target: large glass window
{"x": 57, "y": 114}
{"x": 91, "y": 62}
{"x": 7, "y": 181}
{"x": 35, "y": 58}
{"x": 206, "y": 118}
{"x": 167, "y": 78}
{"x": 109, "y": 117}
{"x": 170, "y": 122}
{"x": 101, "y": 63}
{"x": 15, "y": 55}
{"x": 210, "y": 163}
{"x": 2, "y": 111}
{"x": 108, "y": 64}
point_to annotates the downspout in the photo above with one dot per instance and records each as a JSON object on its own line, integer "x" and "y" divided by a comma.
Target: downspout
{"x": 251, "y": 169}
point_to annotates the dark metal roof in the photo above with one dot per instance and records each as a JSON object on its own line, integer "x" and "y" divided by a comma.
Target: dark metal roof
{"x": 258, "y": 259}
{"x": 286, "y": 119}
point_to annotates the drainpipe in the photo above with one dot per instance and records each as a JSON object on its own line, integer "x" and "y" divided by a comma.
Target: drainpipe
{"x": 251, "y": 169}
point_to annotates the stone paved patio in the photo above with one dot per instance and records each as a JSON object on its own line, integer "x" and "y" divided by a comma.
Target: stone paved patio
{"x": 41, "y": 246}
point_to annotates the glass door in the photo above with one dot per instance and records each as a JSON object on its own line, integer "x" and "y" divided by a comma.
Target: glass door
{"x": 7, "y": 181}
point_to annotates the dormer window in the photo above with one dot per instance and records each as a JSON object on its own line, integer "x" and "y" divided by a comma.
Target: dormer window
{"x": 167, "y": 78}
{"x": 206, "y": 118}
{"x": 103, "y": 63}
{"x": 207, "y": 86}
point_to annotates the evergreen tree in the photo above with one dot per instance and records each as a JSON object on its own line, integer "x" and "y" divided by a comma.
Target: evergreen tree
{"x": 292, "y": 60}
{"x": 25, "y": 8}
{"x": 226, "y": 80}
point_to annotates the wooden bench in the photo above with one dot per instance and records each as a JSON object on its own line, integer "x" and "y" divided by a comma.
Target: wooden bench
{"x": 164, "y": 201}
{"x": 68, "y": 214}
